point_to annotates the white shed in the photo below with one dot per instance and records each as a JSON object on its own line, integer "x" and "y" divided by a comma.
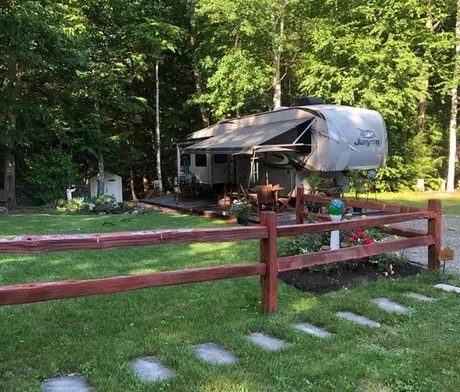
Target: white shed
{"x": 112, "y": 186}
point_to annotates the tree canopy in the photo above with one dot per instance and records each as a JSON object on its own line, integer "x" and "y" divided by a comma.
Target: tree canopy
{"x": 79, "y": 77}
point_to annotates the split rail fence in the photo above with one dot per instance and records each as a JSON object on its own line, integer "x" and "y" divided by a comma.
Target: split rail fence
{"x": 267, "y": 268}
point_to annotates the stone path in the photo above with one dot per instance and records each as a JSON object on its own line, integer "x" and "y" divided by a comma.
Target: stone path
{"x": 70, "y": 383}
{"x": 358, "y": 319}
{"x": 390, "y": 306}
{"x": 420, "y": 297}
{"x": 313, "y": 330}
{"x": 267, "y": 342}
{"x": 214, "y": 354}
{"x": 150, "y": 369}
{"x": 448, "y": 287}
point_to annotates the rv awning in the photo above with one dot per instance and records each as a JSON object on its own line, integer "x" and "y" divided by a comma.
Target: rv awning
{"x": 243, "y": 140}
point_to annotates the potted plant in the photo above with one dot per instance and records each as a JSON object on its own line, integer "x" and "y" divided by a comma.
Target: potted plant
{"x": 240, "y": 210}
{"x": 312, "y": 184}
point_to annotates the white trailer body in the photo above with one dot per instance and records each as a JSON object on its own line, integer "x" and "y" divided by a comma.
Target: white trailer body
{"x": 284, "y": 146}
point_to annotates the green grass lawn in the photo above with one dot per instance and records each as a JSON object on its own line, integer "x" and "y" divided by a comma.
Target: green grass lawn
{"x": 97, "y": 336}
{"x": 450, "y": 200}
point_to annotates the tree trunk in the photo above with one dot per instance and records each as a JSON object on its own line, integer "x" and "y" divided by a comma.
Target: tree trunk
{"x": 425, "y": 74}
{"x": 100, "y": 174}
{"x": 421, "y": 109}
{"x": 157, "y": 124}
{"x": 145, "y": 181}
{"x": 454, "y": 109}
{"x": 452, "y": 140}
{"x": 132, "y": 185}
{"x": 278, "y": 47}
{"x": 196, "y": 74}
{"x": 9, "y": 179}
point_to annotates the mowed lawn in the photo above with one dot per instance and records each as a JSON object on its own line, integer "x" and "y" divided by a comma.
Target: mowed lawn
{"x": 97, "y": 336}
{"x": 450, "y": 201}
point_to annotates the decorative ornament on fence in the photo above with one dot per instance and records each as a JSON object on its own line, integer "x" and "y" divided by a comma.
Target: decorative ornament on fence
{"x": 446, "y": 254}
{"x": 335, "y": 208}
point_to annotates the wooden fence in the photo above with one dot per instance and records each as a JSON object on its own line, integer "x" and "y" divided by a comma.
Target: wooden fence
{"x": 267, "y": 268}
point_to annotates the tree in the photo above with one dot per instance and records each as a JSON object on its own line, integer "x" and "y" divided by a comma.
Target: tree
{"x": 33, "y": 45}
{"x": 454, "y": 108}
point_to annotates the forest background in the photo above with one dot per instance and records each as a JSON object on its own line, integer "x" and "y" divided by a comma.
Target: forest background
{"x": 93, "y": 84}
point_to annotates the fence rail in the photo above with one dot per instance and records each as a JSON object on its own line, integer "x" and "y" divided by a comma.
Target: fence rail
{"x": 269, "y": 263}
{"x": 54, "y": 243}
{"x": 35, "y": 292}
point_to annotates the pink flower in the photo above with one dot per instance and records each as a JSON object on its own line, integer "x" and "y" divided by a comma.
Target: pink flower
{"x": 353, "y": 238}
{"x": 368, "y": 241}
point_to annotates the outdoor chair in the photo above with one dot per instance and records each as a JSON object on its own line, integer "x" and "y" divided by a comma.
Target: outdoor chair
{"x": 265, "y": 197}
{"x": 283, "y": 202}
{"x": 251, "y": 198}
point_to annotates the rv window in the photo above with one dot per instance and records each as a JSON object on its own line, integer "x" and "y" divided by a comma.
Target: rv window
{"x": 200, "y": 160}
{"x": 220, "y": 158}
{"x": 185, "y": 160}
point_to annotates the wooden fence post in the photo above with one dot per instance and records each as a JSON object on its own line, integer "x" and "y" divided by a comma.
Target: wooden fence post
{"x": 434, "y": 229}
{"x": 268, "y": 255}
{"x": 299, "y": 205}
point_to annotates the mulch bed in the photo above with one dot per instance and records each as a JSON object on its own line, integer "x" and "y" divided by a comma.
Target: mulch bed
{"x": 341, "y": 275}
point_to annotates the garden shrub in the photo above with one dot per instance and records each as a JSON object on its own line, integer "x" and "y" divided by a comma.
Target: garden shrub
{"x": 94, "y": 205}
{"x": 304, "y": 244}
{"x": 49, "y": 174}
{"x": 313, "y": 242}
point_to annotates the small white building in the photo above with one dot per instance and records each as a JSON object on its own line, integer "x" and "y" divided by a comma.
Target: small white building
{"x": 112, "y": 186}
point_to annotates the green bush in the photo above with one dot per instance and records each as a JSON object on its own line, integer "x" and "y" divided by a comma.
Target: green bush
{"x": 304, "y": 244}
{"x": 74, "y": 205}
{"x": 49, "y": 174}
{"x": 402, "y": 171}
{"x": 94, "y": 205}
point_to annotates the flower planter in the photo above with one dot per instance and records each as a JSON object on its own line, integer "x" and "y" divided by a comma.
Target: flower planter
{"x": 242, "y": 221}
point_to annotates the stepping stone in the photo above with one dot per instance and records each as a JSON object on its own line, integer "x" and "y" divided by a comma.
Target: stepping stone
{"x": 358, "y": 319}
{"x": 151, "y": 369}
{"x": 447, "y": 287}
{"x": 214, "y": 354}
{"x": 267, "y": 342}
{"x": 71, "y": 383}
{"x": 313, "y": 330}
{"x": 390, "y": 306}
{"x": 420, "y": 297}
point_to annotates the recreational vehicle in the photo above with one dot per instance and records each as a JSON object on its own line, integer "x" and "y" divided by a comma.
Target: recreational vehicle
{"x": 284, "y": 147}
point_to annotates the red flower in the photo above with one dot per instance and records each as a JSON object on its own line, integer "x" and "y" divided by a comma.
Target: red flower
{"x": 360, "y": 237}
{"x": 353, "y": 237}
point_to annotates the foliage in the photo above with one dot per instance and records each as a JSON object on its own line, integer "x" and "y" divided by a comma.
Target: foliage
{"x": 386, "y": 263}
{"x": 240, "y": 209}
{"x": 304, "y": 244}
{"x": 95, "y": 205}
{"x": 313, "y": 182}
{"x": 76, "y": 204}
{"x": 402, "y": 171}
{"x": 356, "y": 180}
{"x": 50, "y": 174}
{"x": 86, "y": 85}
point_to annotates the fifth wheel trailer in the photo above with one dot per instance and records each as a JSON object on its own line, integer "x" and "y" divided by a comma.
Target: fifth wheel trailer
{"x": 285, "y": 146}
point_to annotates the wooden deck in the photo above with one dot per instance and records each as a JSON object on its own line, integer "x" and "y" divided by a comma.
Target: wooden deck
{"x": 210, "y": 209}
